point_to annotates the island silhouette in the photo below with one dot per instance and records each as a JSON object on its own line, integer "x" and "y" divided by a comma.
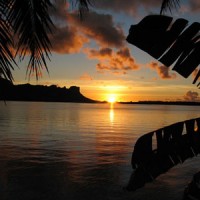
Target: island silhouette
{"x": 52, "y": 93}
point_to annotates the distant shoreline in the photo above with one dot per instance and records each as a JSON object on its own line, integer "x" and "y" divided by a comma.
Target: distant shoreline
{"x": 181, "y": 103}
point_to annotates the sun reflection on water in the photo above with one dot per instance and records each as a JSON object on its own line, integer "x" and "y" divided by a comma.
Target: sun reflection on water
{"x": 112, "y": 115}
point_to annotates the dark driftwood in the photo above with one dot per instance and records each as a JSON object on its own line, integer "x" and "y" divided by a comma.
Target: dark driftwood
{"x": 172, "y": 43}
{"x": 174, "y": 146}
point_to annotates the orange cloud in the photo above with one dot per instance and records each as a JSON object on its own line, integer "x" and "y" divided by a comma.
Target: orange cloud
{"x": 101, "y": 54}
{"x": 191, "y": 96}
{"x": 162, "y": 71}
{"x": 118, "y": 62}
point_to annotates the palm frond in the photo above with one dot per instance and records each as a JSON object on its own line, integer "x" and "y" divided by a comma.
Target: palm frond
{"x": 169, "y": 4}
{"x": 31, "y": 24}
{"x": 6, "y": 44}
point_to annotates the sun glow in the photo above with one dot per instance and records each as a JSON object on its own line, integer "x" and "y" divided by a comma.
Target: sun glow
{"x": 112, "y": 98}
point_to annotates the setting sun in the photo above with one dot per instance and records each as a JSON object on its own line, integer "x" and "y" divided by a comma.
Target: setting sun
{"x": 111, "y": 99}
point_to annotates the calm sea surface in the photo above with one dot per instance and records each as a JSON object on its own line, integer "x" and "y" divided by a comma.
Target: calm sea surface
{"x": 71, "y": 151}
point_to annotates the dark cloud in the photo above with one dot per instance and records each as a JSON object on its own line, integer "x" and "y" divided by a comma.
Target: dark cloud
{"x": 67, "y": 40}
{"x": 162, "y": 71}
{"x": 191, "y": 96}
{"x": 99, "y": 27}
{"x": 71, "y": 33}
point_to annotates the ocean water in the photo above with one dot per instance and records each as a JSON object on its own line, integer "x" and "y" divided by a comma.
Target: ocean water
{"x": 73, "y": 151}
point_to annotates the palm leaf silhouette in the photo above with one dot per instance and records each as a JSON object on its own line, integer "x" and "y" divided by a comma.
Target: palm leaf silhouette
{"x": 31, "y": 24}
{"x": 171, "y": 43}
{"x": 6, "y": 57}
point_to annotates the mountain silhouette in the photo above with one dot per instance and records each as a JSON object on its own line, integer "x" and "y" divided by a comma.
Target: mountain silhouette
{"x": 28, "y": 92}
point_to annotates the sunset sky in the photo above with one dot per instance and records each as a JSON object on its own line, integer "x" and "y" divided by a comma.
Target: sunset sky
{"x": 94, "y": 55}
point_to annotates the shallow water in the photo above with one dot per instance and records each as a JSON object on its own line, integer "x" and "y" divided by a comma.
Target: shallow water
{"x": 82, "y": 151}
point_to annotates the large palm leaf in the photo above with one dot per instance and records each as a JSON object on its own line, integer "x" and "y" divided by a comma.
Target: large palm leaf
{"x": 172, "y": 43}
{"x": 31, "y": 23}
